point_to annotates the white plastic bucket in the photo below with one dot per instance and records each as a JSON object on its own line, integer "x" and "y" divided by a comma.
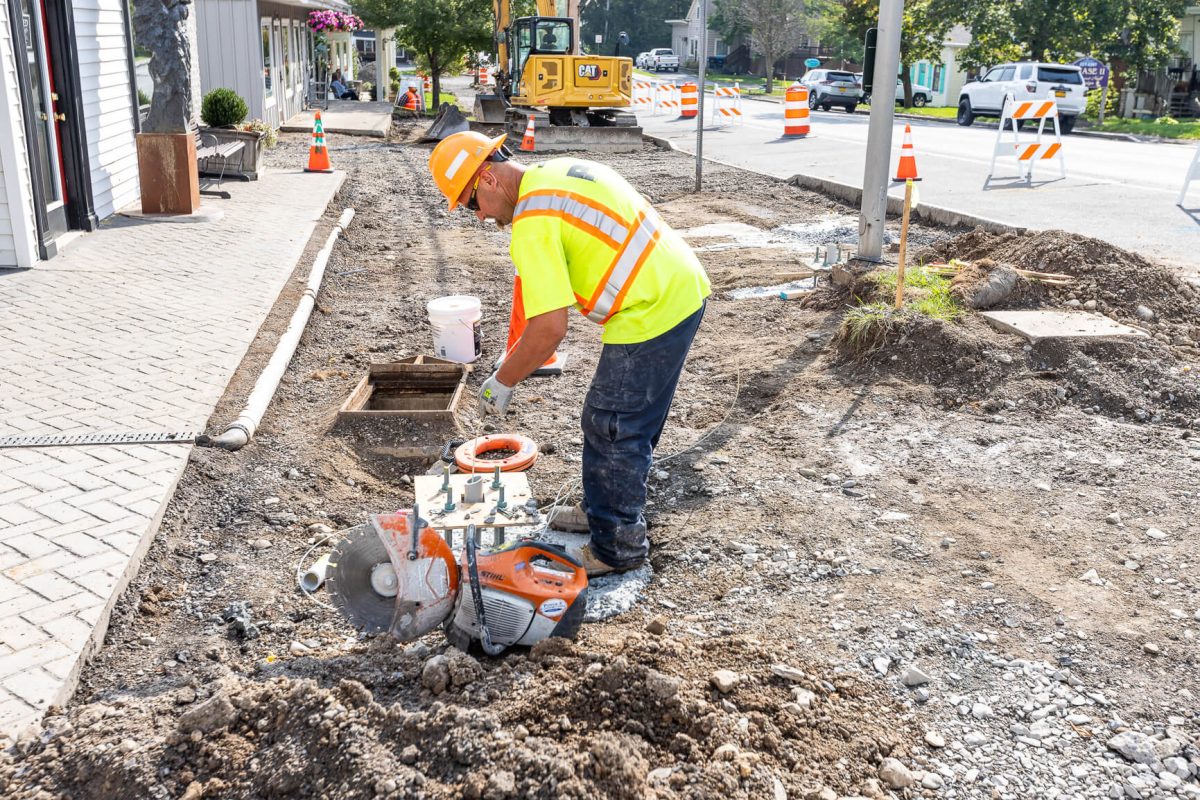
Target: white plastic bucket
{"x": 455, "y": 323}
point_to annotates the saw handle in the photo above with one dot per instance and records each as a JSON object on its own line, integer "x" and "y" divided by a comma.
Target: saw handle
{"x": 485, "y": 636}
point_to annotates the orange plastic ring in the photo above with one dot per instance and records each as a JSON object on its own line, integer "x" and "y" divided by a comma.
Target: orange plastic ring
{"x": 468, "y": 460}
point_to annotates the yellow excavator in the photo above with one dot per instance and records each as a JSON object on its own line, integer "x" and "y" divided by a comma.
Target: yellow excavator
{"x": 577, "y": 101}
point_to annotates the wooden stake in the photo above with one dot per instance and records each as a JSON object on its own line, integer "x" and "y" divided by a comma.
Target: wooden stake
{"x": 908, "y": 187}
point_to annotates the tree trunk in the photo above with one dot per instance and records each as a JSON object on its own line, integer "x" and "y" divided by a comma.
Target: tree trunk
{"x": 770, "y": 59}
{"x": 435, "y": 74}
{"x": 906, "y": 81}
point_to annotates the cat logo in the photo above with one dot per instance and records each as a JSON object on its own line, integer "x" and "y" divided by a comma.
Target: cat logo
{"x": 589, "y": 71}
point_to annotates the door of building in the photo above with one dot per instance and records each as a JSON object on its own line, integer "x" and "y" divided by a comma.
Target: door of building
{"x": 48, "y": 73}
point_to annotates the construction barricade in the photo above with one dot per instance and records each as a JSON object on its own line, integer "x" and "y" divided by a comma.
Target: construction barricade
{"x": 666, "y": 99}
{"x": 727, "y": 104}
{"x": 1027, "y": 152}
{"x": 689, "y": 100}
{"x": 795, "y": 111}
{"x": 643, "y": 96}
{"x": 1193, "y": 173}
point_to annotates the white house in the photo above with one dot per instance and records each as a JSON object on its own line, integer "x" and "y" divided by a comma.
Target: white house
{"x": 685, "y": 34}
{"x": 264, "y": 51}
{"x": 68, "y": 156}
{"x": 946, "y": 78}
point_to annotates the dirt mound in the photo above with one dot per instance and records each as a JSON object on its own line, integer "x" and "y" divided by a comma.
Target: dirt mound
{"x": 642, "y": 721}
{"x": 1117, "y": 280}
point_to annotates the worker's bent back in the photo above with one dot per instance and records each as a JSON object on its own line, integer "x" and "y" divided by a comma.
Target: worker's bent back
{"x": 582, "y": 235}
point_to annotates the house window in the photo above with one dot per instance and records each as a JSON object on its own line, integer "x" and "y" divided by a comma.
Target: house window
{"x": 939, "y": 75}
{"x": 296, "y": 56}
{"x": 268, "y": 64}
{"x": 285, "y": 56}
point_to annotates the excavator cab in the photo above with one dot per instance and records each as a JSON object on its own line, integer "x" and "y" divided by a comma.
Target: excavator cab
{"x": 538, "y": 36}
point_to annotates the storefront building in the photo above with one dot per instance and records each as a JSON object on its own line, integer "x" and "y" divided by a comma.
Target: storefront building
{"x": 68, "y": 123}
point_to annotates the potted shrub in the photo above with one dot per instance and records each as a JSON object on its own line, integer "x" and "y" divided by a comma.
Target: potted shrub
{"x": 224, "y": 112}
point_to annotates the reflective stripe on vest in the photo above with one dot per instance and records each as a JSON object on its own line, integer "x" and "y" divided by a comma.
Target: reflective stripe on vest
{"x": 633, "y": 248}
{"x": 623, "y": 270}
{"x": 575, "y": 210}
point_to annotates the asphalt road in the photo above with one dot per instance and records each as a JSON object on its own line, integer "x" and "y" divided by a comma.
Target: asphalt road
{"x": 1122, "y": 192}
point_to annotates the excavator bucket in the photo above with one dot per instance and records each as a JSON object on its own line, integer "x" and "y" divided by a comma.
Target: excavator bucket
{"x": 449, "y": 120}
{"x": 490, "y": 108}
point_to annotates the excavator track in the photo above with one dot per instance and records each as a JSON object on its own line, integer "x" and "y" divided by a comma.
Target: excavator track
{"x": 608, "y": 130}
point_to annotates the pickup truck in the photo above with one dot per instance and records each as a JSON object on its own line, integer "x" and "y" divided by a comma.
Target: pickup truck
{"x": 662, "y": 58}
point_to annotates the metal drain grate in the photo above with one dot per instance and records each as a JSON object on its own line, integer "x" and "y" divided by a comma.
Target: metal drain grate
{"x": 80, "y": 439}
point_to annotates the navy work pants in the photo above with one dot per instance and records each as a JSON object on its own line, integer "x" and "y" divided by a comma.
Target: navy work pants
{"x": 623, "y": 416}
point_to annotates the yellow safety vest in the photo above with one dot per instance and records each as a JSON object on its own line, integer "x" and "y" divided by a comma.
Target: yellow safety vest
{"x": 582, "y": 236}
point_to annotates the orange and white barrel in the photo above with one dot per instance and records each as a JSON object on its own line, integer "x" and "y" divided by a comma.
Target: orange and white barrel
{"x": 689, "y": 100}
{"x": 795, "y": 111}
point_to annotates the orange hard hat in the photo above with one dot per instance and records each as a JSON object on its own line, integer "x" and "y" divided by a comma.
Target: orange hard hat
{"x": 457, "y": 158}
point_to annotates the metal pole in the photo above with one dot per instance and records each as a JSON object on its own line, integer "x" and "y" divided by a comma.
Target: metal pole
{"x": 1103, "y": 98}
{"x": 700, "y": 98}
{"x": 879, "y": 132}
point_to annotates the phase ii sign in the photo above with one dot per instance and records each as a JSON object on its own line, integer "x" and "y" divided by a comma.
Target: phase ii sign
{"x": 1095, "y": 74}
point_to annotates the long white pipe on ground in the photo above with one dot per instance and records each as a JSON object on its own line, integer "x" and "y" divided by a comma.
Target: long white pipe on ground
{"x": 241, "y": 430}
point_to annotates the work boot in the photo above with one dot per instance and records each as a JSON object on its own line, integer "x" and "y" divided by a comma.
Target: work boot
{"x": 571, "y": 520}
{"x": 594, "y": 566}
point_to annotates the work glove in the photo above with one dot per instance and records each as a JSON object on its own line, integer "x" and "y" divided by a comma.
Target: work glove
{"x": 494, "y": 397}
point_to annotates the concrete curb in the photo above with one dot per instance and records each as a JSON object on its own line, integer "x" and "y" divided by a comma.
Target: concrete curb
{"x": 853, "y": 195}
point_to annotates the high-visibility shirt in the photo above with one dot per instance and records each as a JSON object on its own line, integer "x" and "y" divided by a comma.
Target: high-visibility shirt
{"x": 582, "y": 236}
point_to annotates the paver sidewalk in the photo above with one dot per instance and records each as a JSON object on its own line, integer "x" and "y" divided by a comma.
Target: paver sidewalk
{"x": 137, "y": 327}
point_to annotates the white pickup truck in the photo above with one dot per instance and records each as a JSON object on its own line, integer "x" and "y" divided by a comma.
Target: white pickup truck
{"x": 662, "y": 58}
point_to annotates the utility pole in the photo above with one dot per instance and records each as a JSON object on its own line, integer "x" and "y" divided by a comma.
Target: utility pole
{"x": 700, "y": 98}
{"x": 879, "y": 131}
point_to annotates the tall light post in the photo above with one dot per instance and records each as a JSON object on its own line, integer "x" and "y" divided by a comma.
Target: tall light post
{"x": 879, "y": 131}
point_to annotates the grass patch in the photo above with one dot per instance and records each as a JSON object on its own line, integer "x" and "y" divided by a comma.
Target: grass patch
{"x": 925, "y": 293}
{"x": 946, "y": 112}
{"x": 867, "y": 327}
{"x": 1166, "y": 127}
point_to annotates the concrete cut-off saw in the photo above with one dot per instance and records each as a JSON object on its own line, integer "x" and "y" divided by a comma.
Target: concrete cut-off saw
{"x": 397, "y": 574}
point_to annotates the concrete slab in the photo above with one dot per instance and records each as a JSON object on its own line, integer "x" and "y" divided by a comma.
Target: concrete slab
{"x": 346, "y": 117}
{"x": 1038, "y": 325}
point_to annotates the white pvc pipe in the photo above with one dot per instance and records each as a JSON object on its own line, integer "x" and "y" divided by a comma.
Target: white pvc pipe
{"x": 241, "y": 430}
{"x": 311, "y": 579}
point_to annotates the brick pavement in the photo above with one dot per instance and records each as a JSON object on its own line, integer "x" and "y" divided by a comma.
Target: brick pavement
{"x": 136, "y": 327}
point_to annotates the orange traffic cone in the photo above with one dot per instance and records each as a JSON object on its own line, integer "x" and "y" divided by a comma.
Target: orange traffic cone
{"x": 907, "y": 171}
{"x": 527, "y": 142}
{"x": 318, "y": 153}
{"x": 516, "y": 328}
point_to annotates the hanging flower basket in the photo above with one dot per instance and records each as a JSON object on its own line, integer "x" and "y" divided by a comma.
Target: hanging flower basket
{"x": 325, "y": 21}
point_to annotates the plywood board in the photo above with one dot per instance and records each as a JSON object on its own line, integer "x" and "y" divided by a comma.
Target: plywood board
{"x": 428, "y": 490}
{"x": 1037, "y": 325}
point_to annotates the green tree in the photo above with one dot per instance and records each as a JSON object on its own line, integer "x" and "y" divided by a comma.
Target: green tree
{"x": 775, "y": 26}
{"x": 441, "y": 32}
{"x": 1140, "y": 33}
{"x": 922, "y": 35}
{"x": 727, "y": 20}
{"x": 644, "y": 21}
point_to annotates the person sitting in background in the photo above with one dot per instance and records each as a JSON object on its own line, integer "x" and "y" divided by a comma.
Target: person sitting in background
{"x": 340, "y": 90}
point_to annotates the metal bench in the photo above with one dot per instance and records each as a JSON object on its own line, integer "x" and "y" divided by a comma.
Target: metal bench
{"x": 209, "y": 149}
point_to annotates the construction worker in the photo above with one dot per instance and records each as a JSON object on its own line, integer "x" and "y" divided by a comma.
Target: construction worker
{"x": 410, "y": 99}
{"x": 583, "y": 237}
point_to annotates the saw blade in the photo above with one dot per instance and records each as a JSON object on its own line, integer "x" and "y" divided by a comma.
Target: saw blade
{"x": 349, "y": 583}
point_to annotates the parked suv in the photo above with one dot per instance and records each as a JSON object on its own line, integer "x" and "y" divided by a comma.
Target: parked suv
{"x": 1026, "y": 80}
{"x": 921, "y": 95}
{"x": 829, "y": 87}
{"x": 661, "y": 58}
{"x": 642, "y": 61}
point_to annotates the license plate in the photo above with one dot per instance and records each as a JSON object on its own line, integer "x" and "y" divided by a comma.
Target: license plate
{"x": 1060, "y": 94}
{"x": 841, "y": 90}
